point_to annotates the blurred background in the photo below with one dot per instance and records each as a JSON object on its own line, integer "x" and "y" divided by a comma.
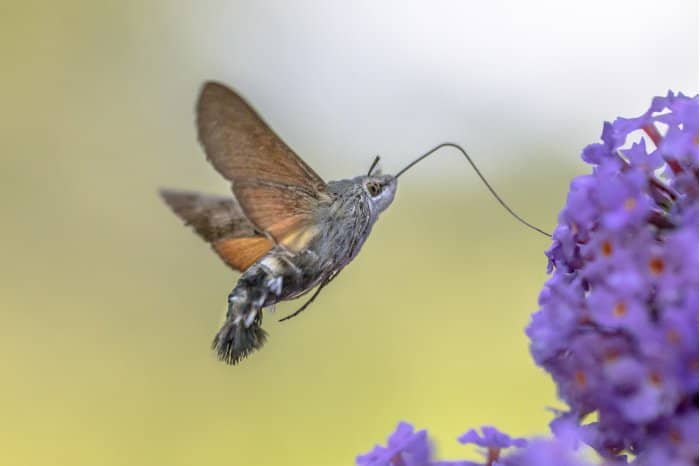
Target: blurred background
{"x": 109, "y": 304}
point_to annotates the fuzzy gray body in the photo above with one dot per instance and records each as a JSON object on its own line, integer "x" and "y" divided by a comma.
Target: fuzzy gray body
{"x": 341, "y": 227}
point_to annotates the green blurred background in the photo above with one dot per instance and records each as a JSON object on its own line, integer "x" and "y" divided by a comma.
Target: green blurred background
{"x": 109, "y": 304}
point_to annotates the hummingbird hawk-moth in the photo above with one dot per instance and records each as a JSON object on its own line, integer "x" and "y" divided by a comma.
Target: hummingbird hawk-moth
{"x": 285, "y": 229}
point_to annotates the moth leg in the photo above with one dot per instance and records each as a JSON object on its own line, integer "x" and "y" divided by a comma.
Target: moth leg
{"x": 295, "y": 271}
{"x": 310, "y": 300}
{"x": 297, "y": 274}
{"x": 305, "y": 305}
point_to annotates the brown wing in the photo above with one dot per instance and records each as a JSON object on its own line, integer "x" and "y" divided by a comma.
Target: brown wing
{"x": 212, "y": 217}
{"x": 276, "y": 190}
{"x": 241, "y": 253}
{"x": 221, "y": 222}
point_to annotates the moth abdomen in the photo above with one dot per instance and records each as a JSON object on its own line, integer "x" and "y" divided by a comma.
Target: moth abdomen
{"x": 241, "y": 334}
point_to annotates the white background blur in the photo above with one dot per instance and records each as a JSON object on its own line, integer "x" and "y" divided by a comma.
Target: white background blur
{"x": 395, "y": 78}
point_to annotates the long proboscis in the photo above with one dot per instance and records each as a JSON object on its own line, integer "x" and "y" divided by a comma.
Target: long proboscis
{"x": 478, "y": 172}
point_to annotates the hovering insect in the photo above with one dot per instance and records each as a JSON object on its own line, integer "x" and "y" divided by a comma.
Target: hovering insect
{"x": 285, "y": 229}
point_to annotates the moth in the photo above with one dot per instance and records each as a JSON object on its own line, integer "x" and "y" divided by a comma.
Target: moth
{"x": 285, "y": 229}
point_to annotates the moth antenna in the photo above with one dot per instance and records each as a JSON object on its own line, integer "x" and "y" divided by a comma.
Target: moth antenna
{"x": 478, "y": 172}
{"x": 374, "y": 164}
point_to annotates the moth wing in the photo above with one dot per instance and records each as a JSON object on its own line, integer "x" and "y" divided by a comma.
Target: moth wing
{"x": 241, "y": 253}
{"x": 212, "y": 217}
{"x": 280, "y": 211}
{"x": 221, "y": 222}
{"x": 276, "y": 190}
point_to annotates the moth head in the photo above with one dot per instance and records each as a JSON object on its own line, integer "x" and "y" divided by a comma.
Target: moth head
{"x": 380, "y": 190}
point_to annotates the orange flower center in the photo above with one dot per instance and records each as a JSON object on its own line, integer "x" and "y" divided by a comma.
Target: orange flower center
{"x": 656, "y": 265}
{"x": 673, "y": 337}
{"x": 620, "y": 309}
{"x": 675, "y": 436}
{"x": 630, "y": 203}
{"x": 606, "y": 248}
{"x": 611, "y": 355}
{"x": 655, "y": 378}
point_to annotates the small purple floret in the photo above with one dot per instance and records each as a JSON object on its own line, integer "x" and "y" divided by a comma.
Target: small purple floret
{"x": 491, "y": 438}
{"x": 405, "y": 447}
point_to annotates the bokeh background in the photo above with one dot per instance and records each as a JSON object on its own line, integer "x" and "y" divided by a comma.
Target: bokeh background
{"x": 108, "y": 304}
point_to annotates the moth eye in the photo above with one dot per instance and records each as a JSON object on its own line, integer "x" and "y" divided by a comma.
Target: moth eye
{"x": 373, "y": 189}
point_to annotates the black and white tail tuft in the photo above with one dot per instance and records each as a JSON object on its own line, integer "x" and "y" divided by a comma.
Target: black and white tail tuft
{"x": 235, "y": 341}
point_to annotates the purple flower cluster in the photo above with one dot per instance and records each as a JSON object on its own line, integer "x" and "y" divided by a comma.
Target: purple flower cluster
{"x": 617, "y": 327}
{"x": 408, "y": 448}
{"x": 618, "y": 322}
